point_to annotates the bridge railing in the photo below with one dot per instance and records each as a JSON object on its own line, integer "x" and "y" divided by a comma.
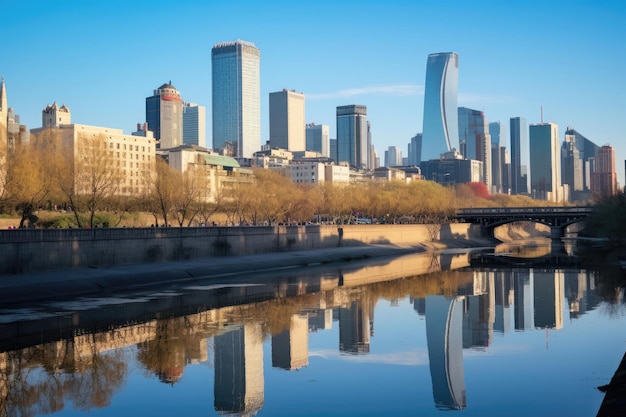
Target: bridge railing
{"x": 523, "y": 210}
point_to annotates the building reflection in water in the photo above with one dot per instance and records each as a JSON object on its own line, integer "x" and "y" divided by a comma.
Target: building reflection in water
{"x": 290, "y": 349}
{"x": 549, "y": 289}
{"x": 476, "y": 304}
{"x": 444, "y": 334}
{"x": 354, "y": 329}
{"x": 239, "y": 381}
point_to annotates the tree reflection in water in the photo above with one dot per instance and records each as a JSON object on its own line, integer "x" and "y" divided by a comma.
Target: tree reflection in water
{"x": 40, "y": 379}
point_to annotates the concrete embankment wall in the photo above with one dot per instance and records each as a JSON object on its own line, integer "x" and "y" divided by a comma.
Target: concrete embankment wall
{"x": 29, "y": 250}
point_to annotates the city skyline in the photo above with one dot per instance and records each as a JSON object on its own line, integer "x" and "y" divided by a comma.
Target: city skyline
{"x": 505, "y": 72}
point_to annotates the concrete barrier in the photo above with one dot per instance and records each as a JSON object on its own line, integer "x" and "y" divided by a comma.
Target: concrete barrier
{"x": 30, "y": 250}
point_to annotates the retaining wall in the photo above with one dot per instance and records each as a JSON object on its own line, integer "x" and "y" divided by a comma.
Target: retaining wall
{"x": 29, "y": 250}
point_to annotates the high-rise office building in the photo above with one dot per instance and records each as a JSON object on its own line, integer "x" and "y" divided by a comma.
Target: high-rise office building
{"x": 587, "y": 151}
{"x": 440, "y": 128}
{"x": 194, "y": 125}
{"x": 4, "y": 115}
{"x": 164, "y": 114}
{"x": 333, "y": 150}
{"x": 236, "y": 98}
{"x": 497, "y": 132}
{"x": 415, "y": 150}
{"x": 572, "y": 168}
{"x": 287, "y": 121}
{"x": 393, "y": 157}
{"x": 371, "y": 152}
{"x": 318, "y": 139}
{"x": 520, "y": 159}
{"x": 473, "y": 130}
{"x": 604, "y": 176}
{"x": 545, "y": 162}
{"x": 352, "y": 136}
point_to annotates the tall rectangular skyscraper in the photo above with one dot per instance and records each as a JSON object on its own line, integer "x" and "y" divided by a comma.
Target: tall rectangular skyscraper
{"x": 393, "y": 157}
{"x": 497, "y": 131}
{"x": 545, "y": 162}
{"x": 287, "y": 121}
{"x": 604, "y": 176}
{"x": 318, "y": 139}
{"x": 519, "y": 155}
{"x": 352, "y": 136}
{"x": 415, "y": 150}
{"x": 194, "y": 124}
{"x": 236, "y": 98}
{"x": 473, "y": 129}
{"x": 440, "y": 130}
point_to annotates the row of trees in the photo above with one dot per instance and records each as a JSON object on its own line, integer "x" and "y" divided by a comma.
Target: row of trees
{"x": 48, "y": 174}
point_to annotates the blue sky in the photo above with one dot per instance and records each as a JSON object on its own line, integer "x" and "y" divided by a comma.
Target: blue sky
{"x": 102, "y": 59}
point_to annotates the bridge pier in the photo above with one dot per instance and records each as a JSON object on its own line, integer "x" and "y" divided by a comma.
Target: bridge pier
{"x": 557, "y": 232}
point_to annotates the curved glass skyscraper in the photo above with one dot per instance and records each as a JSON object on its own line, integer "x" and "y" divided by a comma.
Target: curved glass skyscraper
{"x": 440, "y": 130}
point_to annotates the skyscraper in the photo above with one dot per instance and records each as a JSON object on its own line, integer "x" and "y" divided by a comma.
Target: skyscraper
{"x": 519, "y": 155}
{"x": 4, "y": 117}
{"x": 164, "y": 114}
{"x": 587, "y": 151}
{"x": 604, "y": 176}
{"x": 4, "y": 113}
{"x": 393, "y": 157}
{"x": 497, "y": 132}
{"x": 473, "y": 130}
{"x": 236, "y": 98}
{"x": 287, "y": 121}
{"x": 194, "y": 124}
{"x": 318, "y": 139}
{"x": 352, "y": 136}
{"x": 545, "y": 162}
{"x": 415, "y": 150}
{"x": 572, "y": 168}
{"x": 440, "y": 129}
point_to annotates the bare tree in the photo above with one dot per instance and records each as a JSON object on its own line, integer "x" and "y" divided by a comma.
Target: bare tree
{"x": 187, "y": 195}
{"x": 162, "y": 185}
{"x": 29, "y": 182}
{"x": 96, "y": 175}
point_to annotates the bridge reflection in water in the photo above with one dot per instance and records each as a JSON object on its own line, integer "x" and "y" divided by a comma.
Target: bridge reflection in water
{"x": 463, "y": 308}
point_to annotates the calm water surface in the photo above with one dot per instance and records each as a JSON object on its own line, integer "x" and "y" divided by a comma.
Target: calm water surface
{"x": 419, "y": 335}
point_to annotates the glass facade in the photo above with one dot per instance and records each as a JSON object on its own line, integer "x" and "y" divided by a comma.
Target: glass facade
{"x": 236, "y": 98}
{"x": 194, "y": 125}
{"x": 545, "y": 162}
{"x": 587, "y": 152}
{"x": 519, "y": 155}
{"x": 415, "y": 150}
{"x": 440, "y": 132}
{"x": 352, "y": 136}
{"x": 318, "y": 139}
{"x": 473, "y": 129}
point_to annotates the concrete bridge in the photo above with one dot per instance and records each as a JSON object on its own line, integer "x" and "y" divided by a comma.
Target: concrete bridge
{"x": 557, "y": 218}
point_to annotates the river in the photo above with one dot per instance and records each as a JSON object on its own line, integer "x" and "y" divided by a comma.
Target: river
{"x": 516, "y": 331}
